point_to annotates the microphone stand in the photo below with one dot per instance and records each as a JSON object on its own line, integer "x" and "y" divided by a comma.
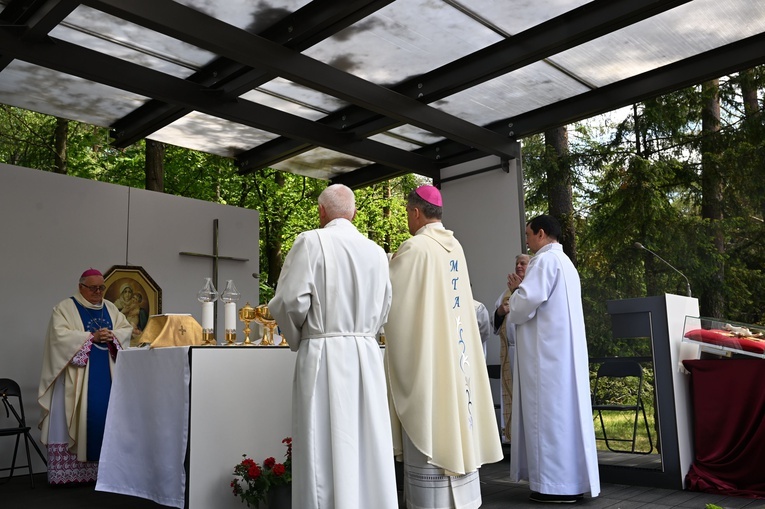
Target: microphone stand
{"x": 687, "y": 282}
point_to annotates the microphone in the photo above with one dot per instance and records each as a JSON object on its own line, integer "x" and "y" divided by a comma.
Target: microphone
{"x": 687, "y": 283}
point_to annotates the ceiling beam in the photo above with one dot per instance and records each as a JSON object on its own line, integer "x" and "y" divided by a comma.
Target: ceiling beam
{"x": 298, "y": 30}
{"x": 712, "y": 64}
{"x": 194, "y": 27}
{"x": 35, "y": 18}
{"x": 94, "y": 66}
{"x": 568, "y": 30}
{"x": 728, "y": 59}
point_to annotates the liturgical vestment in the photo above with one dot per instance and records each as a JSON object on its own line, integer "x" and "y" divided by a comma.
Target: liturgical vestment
{"x": 332, "y": 298}
{"x": 63, "y": 393}
{"x": 553, "y": 435}
{"x": 438, "y": 383}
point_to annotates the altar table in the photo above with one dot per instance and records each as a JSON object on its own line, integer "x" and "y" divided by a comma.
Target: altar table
{"x": 180, "y": 419}
{"x": 729, "y": 433}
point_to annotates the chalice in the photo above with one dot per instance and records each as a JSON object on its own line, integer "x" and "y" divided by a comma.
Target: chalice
{"x": 263, "y": 316}
{"x": 247, "y": 314}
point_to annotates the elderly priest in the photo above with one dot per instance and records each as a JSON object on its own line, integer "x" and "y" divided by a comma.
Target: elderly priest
{"x": 332, "y": 298}
{"x": 84, "y": 334}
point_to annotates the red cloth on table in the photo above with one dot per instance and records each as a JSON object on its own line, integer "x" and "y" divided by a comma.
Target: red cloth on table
{"x": 726, "y": 338}
{"x": 729, "y": 427}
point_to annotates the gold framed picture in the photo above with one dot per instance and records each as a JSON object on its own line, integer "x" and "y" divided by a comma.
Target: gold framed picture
{"x": 135, "y": 294}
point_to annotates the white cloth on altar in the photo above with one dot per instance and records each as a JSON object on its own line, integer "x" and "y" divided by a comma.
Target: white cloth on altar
{"x": 332, "y": 298}
{"x": 552, "y": 431}
{"x": 159, "y": 381}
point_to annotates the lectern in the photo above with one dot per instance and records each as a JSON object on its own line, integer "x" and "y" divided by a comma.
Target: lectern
{"x": 661, "y": 319}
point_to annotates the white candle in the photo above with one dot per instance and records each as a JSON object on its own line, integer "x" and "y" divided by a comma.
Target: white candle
{"x": 207, "y": 315}
{"x": 230, "y": 310}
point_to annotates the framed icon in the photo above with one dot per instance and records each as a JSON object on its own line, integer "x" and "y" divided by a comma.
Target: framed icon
{"x": 135, "y": 294}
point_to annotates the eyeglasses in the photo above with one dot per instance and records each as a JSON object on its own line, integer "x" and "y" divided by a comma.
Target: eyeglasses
{"x": 94, "y": 289}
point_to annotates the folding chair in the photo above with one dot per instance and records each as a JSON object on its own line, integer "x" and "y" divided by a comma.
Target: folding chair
{"x": 16, "y": 426}
{"x": 630, "y": 399}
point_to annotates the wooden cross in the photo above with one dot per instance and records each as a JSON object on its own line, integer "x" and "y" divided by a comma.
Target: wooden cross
{"x": 215, "y": 257}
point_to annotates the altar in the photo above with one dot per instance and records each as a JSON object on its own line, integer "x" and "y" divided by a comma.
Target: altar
{"x": 180, "y": 419}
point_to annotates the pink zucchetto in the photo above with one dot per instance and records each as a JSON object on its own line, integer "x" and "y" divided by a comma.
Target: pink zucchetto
{"x": 91, "y": 272}
{"x": 431, "y": 195}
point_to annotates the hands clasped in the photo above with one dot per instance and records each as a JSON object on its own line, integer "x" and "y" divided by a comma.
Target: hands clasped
{"x": 103, "y": 335}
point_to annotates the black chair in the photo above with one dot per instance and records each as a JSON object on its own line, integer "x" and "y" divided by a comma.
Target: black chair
{"x": 628, "y": 398}
{"x": 14, "y": 424}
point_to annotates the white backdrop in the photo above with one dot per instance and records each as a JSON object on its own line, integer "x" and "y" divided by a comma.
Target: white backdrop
{"x": 56, "y": 226}
{"x": 485, "y": 211}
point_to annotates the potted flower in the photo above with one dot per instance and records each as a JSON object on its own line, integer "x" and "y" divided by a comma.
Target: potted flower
{"x": 255, "y": 483}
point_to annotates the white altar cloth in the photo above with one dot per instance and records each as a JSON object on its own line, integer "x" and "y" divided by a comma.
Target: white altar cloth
{"x": 147, "y": 418}
{"x": 180, "y": 419}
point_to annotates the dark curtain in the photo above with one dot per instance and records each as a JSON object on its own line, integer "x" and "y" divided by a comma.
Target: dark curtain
{"x": 728, "y": 398}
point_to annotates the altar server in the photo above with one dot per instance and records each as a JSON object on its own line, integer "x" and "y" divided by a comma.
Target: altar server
{"x": 553, "y": 436}
{"x": 332, "y": 298}
{"x": 506, "y": 331}
{"x": 444, "y": 426}
{"x": 84, "y": 334}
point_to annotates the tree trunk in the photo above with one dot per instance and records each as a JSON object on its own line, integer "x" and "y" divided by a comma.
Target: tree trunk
{"x": 387, "y": 214}
{"x": 155, "y": 166}
{"x": 273, "y": 242}
{"x": 560, "y": 196}
{"x": 60, "y": 137}
{"x": 713, "y": 299}
{"x": 754, "y": 128}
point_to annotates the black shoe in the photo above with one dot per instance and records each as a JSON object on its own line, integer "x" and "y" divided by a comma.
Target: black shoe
{"x": 546, "y": 498}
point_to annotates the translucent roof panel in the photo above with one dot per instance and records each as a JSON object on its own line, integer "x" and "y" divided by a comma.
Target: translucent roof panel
{"x": 294, "y": 98}
{"x": 106, "y": 34}
{"x": 327, "y": 87}
{"x": 403, "y": 39}
{"x": 684, "y": 31}
{"x": 321, "y": 163}
{"x": 508, "y": 95}
{"x": 210, "y": 134}
{"x": 72, "y": 97}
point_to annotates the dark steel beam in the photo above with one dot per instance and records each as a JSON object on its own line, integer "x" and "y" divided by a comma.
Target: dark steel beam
{"x": 35, "y": 18}
{"x": 98, "y": 67}
{"x": 194, "y": 27}
{"x": 572, "y": 28}
{"x": 712, "y": 64}
{"x": 299, "y": 30}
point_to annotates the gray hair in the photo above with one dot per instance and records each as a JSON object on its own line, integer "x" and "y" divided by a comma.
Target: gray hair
{"x": 338, "y": 201}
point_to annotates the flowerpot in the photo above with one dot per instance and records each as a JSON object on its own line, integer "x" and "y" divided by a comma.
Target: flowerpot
{"x": 280, "y": 497}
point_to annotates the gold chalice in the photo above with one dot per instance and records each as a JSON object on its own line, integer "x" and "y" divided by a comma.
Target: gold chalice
{"x": 247, "y": 314}
{"x": 263, "y": 316}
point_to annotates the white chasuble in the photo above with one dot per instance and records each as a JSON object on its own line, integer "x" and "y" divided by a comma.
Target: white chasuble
{"x": 332, "y": 298}
{"x": 552, "y": 429}
{"x": 438, "y": 383}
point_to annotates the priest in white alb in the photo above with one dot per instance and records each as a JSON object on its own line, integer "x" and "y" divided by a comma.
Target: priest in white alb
{"x": 84, "y": 334}
{"x": 332, "y": 298}
{"x": 553, "y": 435}
{"x": 442, "y": 412}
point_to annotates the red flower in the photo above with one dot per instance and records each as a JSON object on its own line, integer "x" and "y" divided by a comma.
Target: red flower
{"x": 252, "y": 483}
{"x": 254, "y": 471}
{"x": 287, "y": 440}
{"x": 279, "y": 469}
{"x": 248, "y": 463}
{"x": 269, "y": 462}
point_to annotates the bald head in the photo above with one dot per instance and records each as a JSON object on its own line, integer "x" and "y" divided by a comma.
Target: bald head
{"x": 336, "y": 201}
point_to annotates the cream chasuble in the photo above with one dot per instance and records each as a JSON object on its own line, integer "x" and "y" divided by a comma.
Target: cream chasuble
{"x": 66, "y": 336}
{"x": 438, "y": 383}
